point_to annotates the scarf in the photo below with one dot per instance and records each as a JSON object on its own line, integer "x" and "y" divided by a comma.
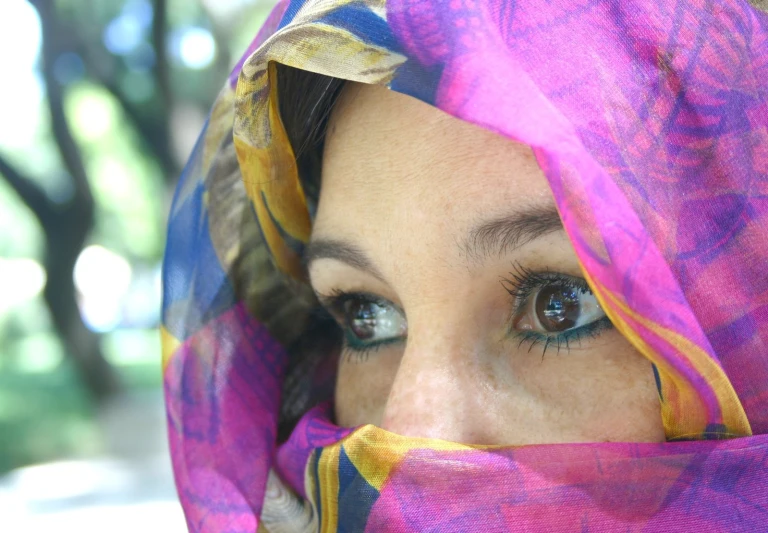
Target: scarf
{"x": 649, "y": 119}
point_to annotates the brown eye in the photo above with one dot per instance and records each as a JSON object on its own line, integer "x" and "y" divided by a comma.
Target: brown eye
{"x": 558, "y": 307}
{"x": 554, "y": 305}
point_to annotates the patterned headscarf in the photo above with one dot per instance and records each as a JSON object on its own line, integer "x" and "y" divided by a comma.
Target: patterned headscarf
{"x": 649, "y": 119}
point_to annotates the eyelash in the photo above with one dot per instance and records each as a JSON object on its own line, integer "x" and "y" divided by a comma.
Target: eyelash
{"x": 522, "y": 285}
{"x": 333, "y": 309}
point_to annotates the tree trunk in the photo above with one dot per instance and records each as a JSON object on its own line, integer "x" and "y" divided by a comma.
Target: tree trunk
{"x": 64, "y": 242}
{"x": 66, "y": 229}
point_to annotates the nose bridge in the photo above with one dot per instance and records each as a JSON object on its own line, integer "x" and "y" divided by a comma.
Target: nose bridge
{"x": 435, "y": 386}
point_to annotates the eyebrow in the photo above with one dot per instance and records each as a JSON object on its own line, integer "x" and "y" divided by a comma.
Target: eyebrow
{"x": 340, "y": 250}
{"x": 501, "y": 236}
{"x": 495, "y": 237}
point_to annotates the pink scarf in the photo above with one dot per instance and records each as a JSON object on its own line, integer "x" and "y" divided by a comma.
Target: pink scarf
{"x": 649, "y": 118}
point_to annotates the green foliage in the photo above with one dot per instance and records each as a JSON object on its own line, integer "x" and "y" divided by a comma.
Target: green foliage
{"x": 184, "y": 13}
{"x": 23, "y": 239}
{"x": 45, "y": 415}
{"x": 117, "y": 114}
{"x": 126, "y": 182}
{"x": 245, "y": 27}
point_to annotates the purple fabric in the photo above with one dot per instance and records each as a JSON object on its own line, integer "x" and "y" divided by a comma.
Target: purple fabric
{"x": 649, "y": 119}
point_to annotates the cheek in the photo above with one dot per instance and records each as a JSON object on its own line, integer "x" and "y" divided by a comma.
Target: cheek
{"x": 363, "y": 386}
{"x": 604, "y": 393}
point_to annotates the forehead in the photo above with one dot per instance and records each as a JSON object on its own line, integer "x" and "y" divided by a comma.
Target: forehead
{"x": 392, "y": 163}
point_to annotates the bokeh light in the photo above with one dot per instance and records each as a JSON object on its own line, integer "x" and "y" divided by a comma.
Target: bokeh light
{"x": 69, "y": 67}
{"x": 20, "y": 105}
{"x": 103, "y": 278}
{"x": 194, "y": 47}
{"x": 93, "y": 111}
{"x": 21, "y": 280}
{"x": 123, "y": 34}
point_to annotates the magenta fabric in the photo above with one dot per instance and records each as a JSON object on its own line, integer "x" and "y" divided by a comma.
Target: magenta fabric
{"x": 649, "y": 118}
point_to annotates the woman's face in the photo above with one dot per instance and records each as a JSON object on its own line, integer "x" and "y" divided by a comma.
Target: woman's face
{"x": 437, "y": 248}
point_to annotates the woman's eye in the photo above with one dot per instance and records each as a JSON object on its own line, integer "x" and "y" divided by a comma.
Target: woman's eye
{"x": 368, "y": 322}
{"x": 556, "y": 308}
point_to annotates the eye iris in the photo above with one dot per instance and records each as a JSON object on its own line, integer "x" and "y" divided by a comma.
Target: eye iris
{"x": 558, "y": 308}
{"x": 361, "y": 318}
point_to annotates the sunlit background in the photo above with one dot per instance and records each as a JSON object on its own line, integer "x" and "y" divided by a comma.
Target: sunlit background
{"x": 100, "y": 103}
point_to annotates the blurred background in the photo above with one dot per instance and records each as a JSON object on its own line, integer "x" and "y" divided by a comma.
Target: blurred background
{"x": 100, "y": 104}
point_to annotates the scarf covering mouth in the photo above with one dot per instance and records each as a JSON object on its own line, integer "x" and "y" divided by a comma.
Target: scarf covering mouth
{"x": 649, "y": 119}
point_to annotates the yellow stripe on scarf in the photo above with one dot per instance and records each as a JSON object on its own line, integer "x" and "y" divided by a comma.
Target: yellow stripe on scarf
{"x": 683, "y": 417}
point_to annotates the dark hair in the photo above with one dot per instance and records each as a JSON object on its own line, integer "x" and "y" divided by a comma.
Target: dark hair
{"x": 305, "y": 101}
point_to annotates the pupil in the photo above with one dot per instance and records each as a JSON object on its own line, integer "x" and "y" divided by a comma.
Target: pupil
{"x": 557, "y": 308}
{"x": 361, "y": 318}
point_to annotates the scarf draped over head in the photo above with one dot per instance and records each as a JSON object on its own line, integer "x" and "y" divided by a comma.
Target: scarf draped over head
{"x": 649, "y": 119}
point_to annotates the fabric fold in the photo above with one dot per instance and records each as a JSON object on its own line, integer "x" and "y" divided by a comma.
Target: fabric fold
{"x": 649, "y": 120}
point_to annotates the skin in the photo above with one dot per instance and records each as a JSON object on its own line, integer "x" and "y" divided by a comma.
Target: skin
{"x": 405, "y": 184}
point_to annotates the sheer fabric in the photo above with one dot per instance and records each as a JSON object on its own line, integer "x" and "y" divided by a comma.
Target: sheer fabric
{"x": 649, "y": 119}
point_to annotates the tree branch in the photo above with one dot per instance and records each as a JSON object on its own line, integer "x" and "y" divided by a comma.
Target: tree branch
{"x": 154, "y": 136}
{"x": 162, "y": 73}
{"x": 29, "y": 192}
{"x": 67, "y": 229}
{"x": 152, "y": 128}
{"x": 70, "y": 152}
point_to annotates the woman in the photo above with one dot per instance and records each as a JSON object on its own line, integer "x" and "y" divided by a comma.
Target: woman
{"x": 477, "y": 266}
